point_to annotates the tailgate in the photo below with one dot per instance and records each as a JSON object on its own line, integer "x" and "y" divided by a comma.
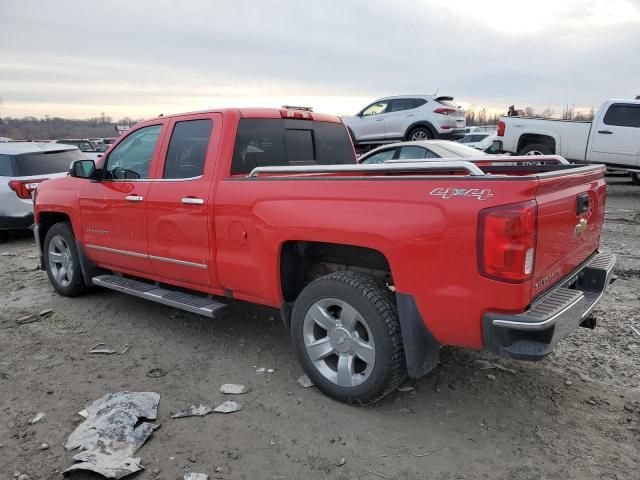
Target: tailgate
{"x": 570, "y": 217}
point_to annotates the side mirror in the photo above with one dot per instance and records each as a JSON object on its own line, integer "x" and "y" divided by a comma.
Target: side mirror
{"x": 82, "y": 169}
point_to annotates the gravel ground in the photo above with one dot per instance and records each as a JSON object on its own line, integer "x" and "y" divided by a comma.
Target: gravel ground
{"x": 575, "y": 415}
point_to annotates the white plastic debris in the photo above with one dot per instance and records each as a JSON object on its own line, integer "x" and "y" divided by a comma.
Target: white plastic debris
{"x": 305, "y": 381}
{"x": 112, "y": 433}
{"x": 105, "y": 351}
{"x": 196, "y": 476}
{"x": 39, "y": 416}
{"x": 228, "y": 407}
{"x": 234, "y": 389}
{"x": 406, "y": 388}
{"x": 193, "y": 411}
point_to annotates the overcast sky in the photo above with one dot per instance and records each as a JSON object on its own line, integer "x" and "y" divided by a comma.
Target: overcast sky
{"x": 78, "y": 58}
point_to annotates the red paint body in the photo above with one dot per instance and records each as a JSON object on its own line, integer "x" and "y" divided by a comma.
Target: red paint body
{"x": 429, "y": 242}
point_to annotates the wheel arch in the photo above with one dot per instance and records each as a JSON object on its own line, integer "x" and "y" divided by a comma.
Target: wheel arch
{"x": 302, "y": 261}
{"x": 527, "y": 139}
{"x": 48, "y": 219}
{"x": 421, "y": 123}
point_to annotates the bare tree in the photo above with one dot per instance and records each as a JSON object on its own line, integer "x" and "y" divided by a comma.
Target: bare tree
{"x": 530, "y": 112}
{"x": 548, "y": 112}
{"x": 568, "y": 112}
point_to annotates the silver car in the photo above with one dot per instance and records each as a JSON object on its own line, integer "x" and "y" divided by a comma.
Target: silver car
{"x": 23, "y": 165}
{"x": 425, "y": 149}
{"x": 407, "y": 117}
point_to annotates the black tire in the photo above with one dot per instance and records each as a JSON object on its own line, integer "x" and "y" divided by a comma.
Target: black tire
{"x": 541, "y": 148}
{"x": 423, "y": 132}
{"x": 75, "y": 285}
{"x": 375, "y": 305}
{"x": 635, "y": 178}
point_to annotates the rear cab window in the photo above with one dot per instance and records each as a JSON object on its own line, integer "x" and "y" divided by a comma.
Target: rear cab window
{"x": 284, "y": 142}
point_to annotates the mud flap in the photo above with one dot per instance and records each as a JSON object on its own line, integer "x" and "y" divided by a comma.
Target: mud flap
{"x": 89, "y": 269}
{"x": 421, "y": 349}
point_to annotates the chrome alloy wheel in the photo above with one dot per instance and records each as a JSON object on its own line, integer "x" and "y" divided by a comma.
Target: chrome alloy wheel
{"x": 339, "y": 342}
{"x": 60, "y": 261}
{"x": 419, "y": 135}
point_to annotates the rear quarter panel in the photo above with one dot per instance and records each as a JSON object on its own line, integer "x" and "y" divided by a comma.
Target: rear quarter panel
{"x": 429, "y": 241}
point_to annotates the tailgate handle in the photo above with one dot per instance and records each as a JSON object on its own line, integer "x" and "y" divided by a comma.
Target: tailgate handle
{"x": 583, "y": 203}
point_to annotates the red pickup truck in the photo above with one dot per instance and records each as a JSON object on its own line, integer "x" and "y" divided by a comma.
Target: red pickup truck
{"x": 373, "y": 267}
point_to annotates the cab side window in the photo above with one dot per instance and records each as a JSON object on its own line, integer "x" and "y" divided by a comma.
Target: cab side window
{"x": 187, "y": 149}
{"x": 131, "y": 158}
{"x": 623, "y": 115}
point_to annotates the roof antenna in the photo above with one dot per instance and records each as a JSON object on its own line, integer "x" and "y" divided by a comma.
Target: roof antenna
{"x": 436, "y": 92}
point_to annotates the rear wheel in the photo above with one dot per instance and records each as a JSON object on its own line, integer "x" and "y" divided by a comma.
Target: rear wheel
{"x": 346, "y": 334}
{"x": 536, "y": 149}
{"x": 61, "y": 260}
{"x": 635, "y": 178}
{"x": 419, "y": 133}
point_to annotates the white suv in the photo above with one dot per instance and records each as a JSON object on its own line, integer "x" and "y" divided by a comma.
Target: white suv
{"x": 407, "y": 117}
{"x": 23, "y": 165}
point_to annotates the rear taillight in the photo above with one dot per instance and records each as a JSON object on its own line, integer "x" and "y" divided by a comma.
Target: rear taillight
{"x": 24, "y": 188}
{"x": 507, "y": 241}
{"x": 445, "y": 111}
{"x": 501, "y": 127}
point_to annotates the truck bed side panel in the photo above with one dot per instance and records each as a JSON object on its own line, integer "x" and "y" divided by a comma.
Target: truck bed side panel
{"x": 428, "y": 240}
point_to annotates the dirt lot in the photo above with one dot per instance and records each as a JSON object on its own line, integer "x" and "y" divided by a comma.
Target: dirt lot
{"x": 575, "y": 415}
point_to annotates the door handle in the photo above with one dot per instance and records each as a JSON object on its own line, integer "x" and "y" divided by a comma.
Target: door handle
{"x": 379, "y": 119}
{"x": 133, "y": 198}
{"x": 192, "y": 201}
{"x": 607, "y": 132}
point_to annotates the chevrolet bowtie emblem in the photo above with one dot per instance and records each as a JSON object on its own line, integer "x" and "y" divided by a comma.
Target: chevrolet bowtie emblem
{"x": 581, "y": 227}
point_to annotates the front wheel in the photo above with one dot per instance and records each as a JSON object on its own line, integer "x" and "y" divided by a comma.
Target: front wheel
{"x": 61, "y": 261}
{"x": 346, "y": 335}
{"x": 635, "y": 178}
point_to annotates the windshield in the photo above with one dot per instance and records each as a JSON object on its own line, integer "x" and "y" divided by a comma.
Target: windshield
{"x": 43, "y": 163}
{"x": 458, "y": 150}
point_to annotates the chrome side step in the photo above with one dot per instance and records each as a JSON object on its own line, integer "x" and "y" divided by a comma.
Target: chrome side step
{"x": 173, "y": 298}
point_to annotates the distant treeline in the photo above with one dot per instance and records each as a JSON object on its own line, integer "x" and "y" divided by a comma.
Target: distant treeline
{"x": 481, "y": 116}
{"x": 50, "y": 128}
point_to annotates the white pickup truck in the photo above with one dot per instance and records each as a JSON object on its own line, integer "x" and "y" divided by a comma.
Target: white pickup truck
{"x": 612, "y": 138}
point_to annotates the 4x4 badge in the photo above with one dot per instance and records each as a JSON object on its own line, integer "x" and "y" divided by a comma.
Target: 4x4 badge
{"x": 447, "y": 193}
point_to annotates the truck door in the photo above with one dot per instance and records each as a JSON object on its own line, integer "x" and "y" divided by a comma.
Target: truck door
{"x": 179, "y": 208}
{"x": 616, "y": 139}
{"x": 113, "y": 209}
